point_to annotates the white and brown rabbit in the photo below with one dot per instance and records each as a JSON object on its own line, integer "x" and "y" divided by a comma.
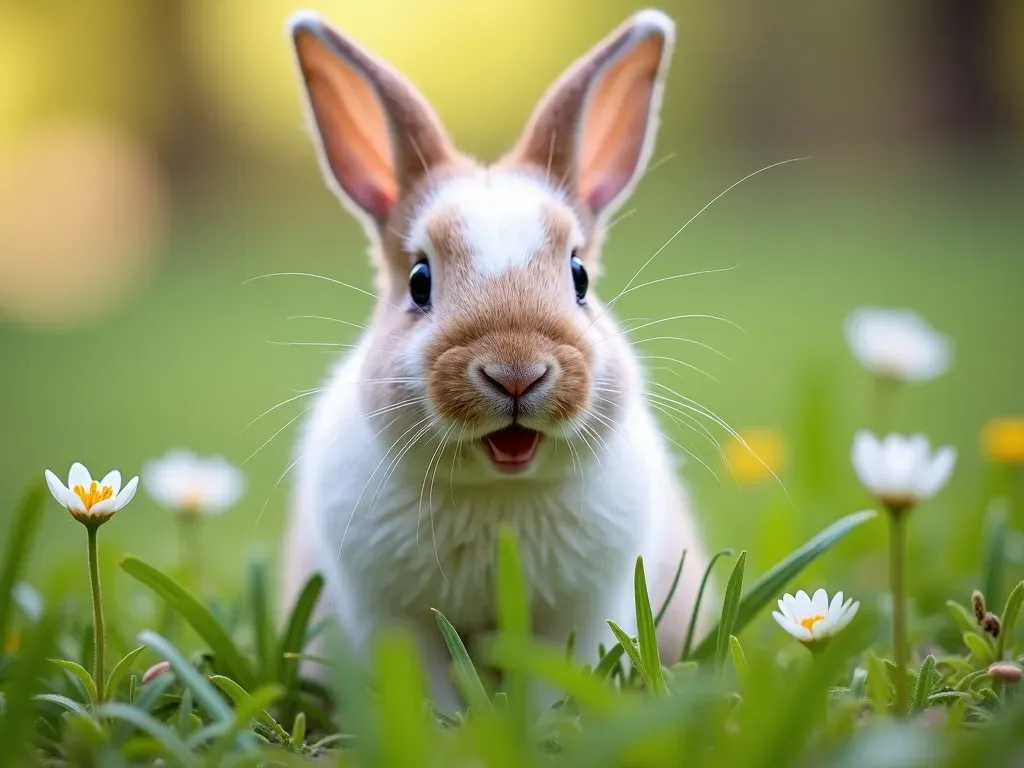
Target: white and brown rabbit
{"x": 492, "y": 388}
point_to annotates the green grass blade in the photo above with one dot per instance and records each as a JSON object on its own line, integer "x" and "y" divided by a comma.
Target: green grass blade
{"x": 646, "y": 630}
{"x": 627, "y": 644}
{"x": 466, "y": 675}
{"x": 267, "y": 666}
{"x": 514, "y": 620}
{"x": 167, "y": 738}
{"x": 298, "y": 735}
{"x": 252, "y": 707}
{"x": 239, "y": 696}
{"x": 695, "y": 614}
{"x": 399, "y": 676}
{"x": 730, "y": 610}
{"x": 997, "y": 523}
{"x": 21, "y": 681}
{"x": 120, "y": 670}
{"x": 187, "y": 675}
{"x": 83, "y": 676}
{"x": 196, "y": 614}
{"x": 608, "y": 662}
{"x": 878, "y": 683}
{"x": 185, "y": 714}
{"x": 671, "y": 590}
{"x": 19, "y": 544}
{"x": 739, "y": 659}
{"x": 294, "y": 638}
{"x": 1009, "y": 619}
{"x": 925, "y": 682}
{"x": 769, "y": 586}
{"x": 515, "y": 653}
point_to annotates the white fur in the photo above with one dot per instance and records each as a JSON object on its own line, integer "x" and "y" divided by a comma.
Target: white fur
{"x": 502, "y": 217}
{"x": 578, "y": 538}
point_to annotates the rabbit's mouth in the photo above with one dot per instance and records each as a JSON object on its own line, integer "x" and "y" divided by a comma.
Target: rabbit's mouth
{"x": 511, "y": 450}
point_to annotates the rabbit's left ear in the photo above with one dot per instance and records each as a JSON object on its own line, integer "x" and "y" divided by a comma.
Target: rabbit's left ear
{"x": 594, "y": 128}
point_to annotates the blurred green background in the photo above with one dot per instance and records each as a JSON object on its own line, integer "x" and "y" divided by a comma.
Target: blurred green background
{"x": 153, "y": 158}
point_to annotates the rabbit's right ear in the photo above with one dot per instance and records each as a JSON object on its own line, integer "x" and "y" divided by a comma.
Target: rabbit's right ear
{"x": 377, "y": 134}
{"x": 594, "y": 129}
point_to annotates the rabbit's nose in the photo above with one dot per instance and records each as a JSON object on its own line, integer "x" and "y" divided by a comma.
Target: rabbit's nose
{"x": 514, "y": 380}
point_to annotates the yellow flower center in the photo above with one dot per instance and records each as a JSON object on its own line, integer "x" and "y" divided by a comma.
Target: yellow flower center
{"x": 756, "y": 456}
{"x": 810, "y": 621}
{"x": 1003, "y": 441}
{"x": 94, "y": 495}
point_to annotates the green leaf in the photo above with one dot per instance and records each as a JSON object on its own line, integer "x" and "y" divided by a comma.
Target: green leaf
{"x": 188, "y": 675}
{"x": 1009, "y": 619}
{"x": 239, "y": 696}
{"x": 878, "y": 683}
{"x": 980, "y": 647}
{"x": 630, "y": 647}
{"x": 771, "y": 584}
{"x": 925, "y": 684}
{"x": 955, "y": 715}
{"x": 963, "y": 618}
{"x": 19, "y": 544}
{"x": 730, "y": 610}
{"x": 261, "y": 625}
{"x": 608, "y": 662}
{"x": 695, "y": 614}
{"x": 465, "y": 672}
{"x": 646, "y": 631}
{"x": 80, "y": 672}
{"x": 671, "y": 590}
{"x": 167, "y": 738}
{"x": 63, "y": 701}
{"x": 120, "y": 670}
{"x": 196, "y": 614}
{"x": 970, "y": 681}
{"x": 739, "y": 659}
{"x": 396, "y": 665}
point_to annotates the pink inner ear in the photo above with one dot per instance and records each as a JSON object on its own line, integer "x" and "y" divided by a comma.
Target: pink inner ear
{"x": 352, "y": 127}
{"x": 614, "y": 128}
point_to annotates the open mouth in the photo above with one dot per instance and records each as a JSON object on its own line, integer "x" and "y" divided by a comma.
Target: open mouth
{"x": 511, "y": 449}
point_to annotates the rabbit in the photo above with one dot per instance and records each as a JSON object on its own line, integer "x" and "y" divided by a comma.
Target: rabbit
{"x": 492, "y": 387}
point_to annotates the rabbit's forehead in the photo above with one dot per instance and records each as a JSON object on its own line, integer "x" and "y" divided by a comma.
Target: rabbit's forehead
{"x": 493, "y": 222}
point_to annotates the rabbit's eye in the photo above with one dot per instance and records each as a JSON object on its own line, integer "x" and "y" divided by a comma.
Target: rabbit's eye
{"x": 580, "y": 280}
{"x": 419, "y": 283}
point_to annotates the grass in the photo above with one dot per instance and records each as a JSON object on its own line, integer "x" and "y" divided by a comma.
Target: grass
{"x": 187, "y": 363}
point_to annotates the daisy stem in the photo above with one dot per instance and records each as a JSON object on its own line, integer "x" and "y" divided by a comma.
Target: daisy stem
{"x": 897, "y": 579}
{"x": 884, "y": 399}
{"x": 99, "y": 634}
{"x": 191, "y": 554}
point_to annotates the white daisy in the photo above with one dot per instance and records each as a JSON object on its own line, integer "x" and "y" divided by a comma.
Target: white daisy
{"x": 813, "y": 619}
{"x": 897, "y": 344}
{"x": 185, "y": 482}
{"x": 901, "y": 471}
{"x": 89, "y": 501}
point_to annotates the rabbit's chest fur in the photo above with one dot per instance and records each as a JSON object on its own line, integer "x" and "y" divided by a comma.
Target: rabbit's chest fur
{"x": 388, "y": 553}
